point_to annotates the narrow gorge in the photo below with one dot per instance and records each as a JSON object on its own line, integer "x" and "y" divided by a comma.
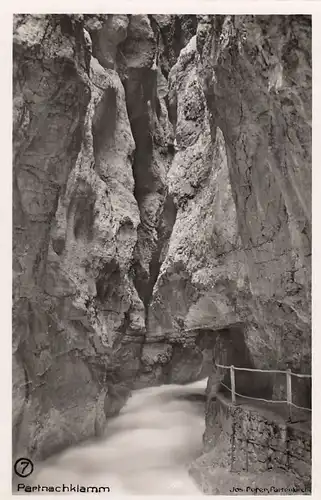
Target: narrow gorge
{"x": 162, "y": 227}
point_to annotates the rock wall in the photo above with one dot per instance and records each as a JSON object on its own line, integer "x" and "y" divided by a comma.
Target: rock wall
{"x": 92, "y": 143}
{"x": 252, "y": 443}
{"x": 161, "y": 208}
{"x": 241, "y": 181}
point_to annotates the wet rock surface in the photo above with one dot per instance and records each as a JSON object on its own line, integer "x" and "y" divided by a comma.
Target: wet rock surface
{"x": 161, "y": 211}
{"x": 252, "y": 447}
{"x": 241, "y": 180}
{"x": 92, "y": 145}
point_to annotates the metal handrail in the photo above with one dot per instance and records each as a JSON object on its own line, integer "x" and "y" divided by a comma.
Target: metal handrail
{"x": 288, "y": 373}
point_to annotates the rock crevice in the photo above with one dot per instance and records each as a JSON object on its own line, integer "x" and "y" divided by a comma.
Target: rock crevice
{"x": 161, "y": 211}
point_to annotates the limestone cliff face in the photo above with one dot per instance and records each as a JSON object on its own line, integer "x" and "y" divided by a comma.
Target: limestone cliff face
{"x": 162, "y": 219}
{"x": 92, "y": 146}
{"x": 238, "y": 263}
{"x": 266, "y": 122}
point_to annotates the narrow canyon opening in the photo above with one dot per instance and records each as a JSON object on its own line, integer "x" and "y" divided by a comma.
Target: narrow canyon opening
{"x": 162, "y": 252}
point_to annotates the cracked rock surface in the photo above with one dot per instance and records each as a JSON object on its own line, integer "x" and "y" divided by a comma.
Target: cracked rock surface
{"x": 240, "y": 251}
{"x": 161, "y": 211}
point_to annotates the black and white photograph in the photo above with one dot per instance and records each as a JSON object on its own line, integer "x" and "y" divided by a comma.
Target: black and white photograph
{"x": 161, "y": 254}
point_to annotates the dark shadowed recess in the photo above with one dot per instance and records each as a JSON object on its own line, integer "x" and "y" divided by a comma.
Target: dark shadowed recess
{"x": 228, "y": 347}
{"x": 81, "y": 212}
{"x": 142, "y": 101}
{"x": 108, "y": 280}
{"x": 104, "y": 121}
{"x": 143, "y": 284}
{"x": 174, "y": 36}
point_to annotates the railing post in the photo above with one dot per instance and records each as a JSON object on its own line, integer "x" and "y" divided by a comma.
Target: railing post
{"x": 289, "y": 392}
{"x": 232, "y": 371}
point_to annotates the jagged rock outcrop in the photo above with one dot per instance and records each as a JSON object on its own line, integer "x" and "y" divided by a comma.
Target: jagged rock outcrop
{"x": 162, "y": 219}
{"x": 51, "y": 94}
{"x": 92, "y": 217}
{"x": 146, "y": 91}
{"x": 78, "y": 320}
{"x": 185, "y": 297}
{"x": 239, "y": 255}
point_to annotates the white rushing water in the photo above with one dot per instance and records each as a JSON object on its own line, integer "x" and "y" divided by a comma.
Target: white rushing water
{"x": 146, "y": 448}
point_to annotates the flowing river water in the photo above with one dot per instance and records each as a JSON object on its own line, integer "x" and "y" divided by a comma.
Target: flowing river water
{"x": 146, "y": 449}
